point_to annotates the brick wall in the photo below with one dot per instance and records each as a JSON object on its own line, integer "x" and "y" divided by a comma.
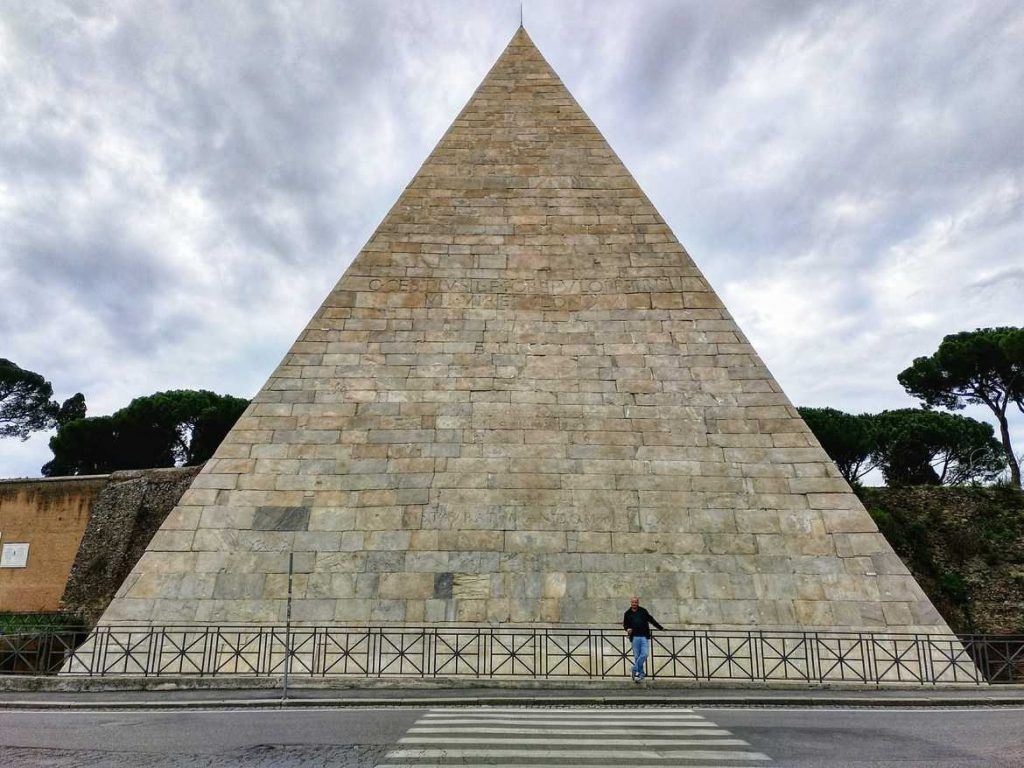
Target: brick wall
{"x": 50, "y": 515}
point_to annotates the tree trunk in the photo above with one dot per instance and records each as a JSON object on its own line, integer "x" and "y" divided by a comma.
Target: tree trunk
{"x": 1004, "y": 433}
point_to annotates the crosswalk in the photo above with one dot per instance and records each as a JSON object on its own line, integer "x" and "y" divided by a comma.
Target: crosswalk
{"x": 564, "y": 737}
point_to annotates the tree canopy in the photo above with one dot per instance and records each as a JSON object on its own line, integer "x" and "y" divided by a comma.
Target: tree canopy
{"x": 847, "y": 438}
{"x": 166, "y": 429}
{"x": 983, "y": 367}
{"x": 914, "y": 446}
{"x": 27, "y": 405}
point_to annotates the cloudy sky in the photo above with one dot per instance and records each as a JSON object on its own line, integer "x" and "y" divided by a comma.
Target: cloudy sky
{"x": 181, "y": 183}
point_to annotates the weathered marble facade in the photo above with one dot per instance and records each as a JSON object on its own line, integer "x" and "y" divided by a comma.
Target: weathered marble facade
{"x": 523, "y": 403}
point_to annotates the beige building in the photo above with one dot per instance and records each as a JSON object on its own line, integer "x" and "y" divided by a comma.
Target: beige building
{"x": 523, "y": 402}
{"x": 41, "y": 527}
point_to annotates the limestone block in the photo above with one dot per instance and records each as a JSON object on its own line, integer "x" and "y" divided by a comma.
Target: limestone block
{"x": 242, "y": 611}
{"x": 436, "y": 610}
{"x": 775, "y": 586}
{"x": 387, "y": 540}
{"x": 326, "y": 585}
{"x": 475, "y": 562}
{"x": 341, "y": 561}
{"x": 182, "y": 518}
{"x": 833, "y": 501}
{"x": 679, "y": 543}
{"x": 820, "y": 487}
{"x": 239, "y": 586}
{"x": 857, "y": 544}
{"x": 714, "y": 521}
{"x": 535, "y": 541}
{"x": 348, "y": 610}
{"x": 470, "y": 541}
{"x": 471, "y": 610}
{"x": 151, "y": 584}
{"x": 469, "y": 587}
{"x": 897, "y": 614}
{"x": 812, "y": 565}
{"x": 757, "y": 521}
{"x": 317, "y": 541}
{"x": 433, "y": 562}
{"x": 196, "y": 586}
{"x": 899, "y": 588}
{"x": 731, "y": 543}
{"x": 320, "y": 610}
{"x": 845, "y": 614}
{"x": 588, "y": 541}
{"x": 714, "y": 586}
{"x": 872, "y": 614}
{"x": 701, "y": 613}
{"x": 848, "y": 521}
{"x": 332, "y": 519}
{"x": 813, "y": 613}
{"x": 379, "y": 519}
{"x": 407, "y": 586}
{"x": 389, "y": 561}
{"x": 127, "y": 609}
{"x": 387, "y": 610}
{"x": 234, "y": 517}
{"x": 554, "y": 585}
{"x": 741, "y": 612}
{"x": 171, "y": 540}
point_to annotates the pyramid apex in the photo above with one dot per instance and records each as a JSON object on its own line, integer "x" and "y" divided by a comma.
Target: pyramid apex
{"x": 522, "y": 38}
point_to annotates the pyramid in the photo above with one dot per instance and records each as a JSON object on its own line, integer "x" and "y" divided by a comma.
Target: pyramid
{"x": 523, "y": 403}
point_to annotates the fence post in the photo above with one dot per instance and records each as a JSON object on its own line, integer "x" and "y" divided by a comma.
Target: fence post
{"x": 288, "y": 629}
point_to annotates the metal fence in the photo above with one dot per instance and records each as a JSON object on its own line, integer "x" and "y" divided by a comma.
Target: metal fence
{"x": 511, "y": 652}
{"x": 30, "y": 621}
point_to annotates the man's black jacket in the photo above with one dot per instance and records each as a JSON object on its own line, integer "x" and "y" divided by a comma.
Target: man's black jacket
{"x": 639, "y": 621}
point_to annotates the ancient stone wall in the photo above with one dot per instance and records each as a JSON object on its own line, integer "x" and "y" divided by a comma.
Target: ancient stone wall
{"x": 965, "y": 547}
{"x": 125, "y": 514}
{"x": 50, "y": 516}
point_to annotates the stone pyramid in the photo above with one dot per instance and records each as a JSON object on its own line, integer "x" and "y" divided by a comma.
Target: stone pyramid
{"x": 523, "y": 403}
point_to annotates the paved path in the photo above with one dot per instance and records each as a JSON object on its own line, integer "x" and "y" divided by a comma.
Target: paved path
{"x": 366, "y": 737}
{"x": 591, "y": 737}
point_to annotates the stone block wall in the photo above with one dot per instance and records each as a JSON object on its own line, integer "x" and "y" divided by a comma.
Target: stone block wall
{"x": 523, "y": 402}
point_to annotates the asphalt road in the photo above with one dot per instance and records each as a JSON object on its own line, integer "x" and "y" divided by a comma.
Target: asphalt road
{"x": 361, "y": 738}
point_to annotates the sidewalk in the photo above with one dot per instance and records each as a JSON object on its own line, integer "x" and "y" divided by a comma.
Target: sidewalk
{"x": 402, "y": 694}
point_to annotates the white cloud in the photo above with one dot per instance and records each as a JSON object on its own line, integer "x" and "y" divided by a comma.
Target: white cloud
{"x": 181, "y": 185}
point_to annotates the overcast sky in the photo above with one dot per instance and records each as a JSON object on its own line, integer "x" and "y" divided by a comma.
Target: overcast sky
{"x": 182, "y": 183}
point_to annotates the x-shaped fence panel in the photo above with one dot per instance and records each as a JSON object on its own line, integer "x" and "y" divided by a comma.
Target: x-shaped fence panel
{"x": 476, "y": 651}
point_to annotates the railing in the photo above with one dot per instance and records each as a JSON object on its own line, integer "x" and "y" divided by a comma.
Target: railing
{"x": 512, "y": 652}
{"x": 31, "y": 621}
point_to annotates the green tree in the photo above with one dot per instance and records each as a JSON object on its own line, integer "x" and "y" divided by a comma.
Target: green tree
{"x": 847, "y": 438}
{"x": 26, "y": 403}
{"x": 981, "y": 367}
{"x": 166, "y": 429}
{"x": 915, "y": 446}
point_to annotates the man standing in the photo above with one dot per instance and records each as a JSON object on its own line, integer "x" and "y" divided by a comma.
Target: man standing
{"x": 637, "y": 623}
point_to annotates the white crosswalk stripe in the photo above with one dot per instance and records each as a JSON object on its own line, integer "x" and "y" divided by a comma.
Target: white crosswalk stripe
{"x": 568, "y": 737}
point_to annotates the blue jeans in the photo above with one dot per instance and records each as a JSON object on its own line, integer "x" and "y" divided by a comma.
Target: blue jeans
{"x": 641, "y": 650}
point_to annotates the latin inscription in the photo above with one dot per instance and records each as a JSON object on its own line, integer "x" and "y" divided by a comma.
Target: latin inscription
{"x": 551, "y": 286}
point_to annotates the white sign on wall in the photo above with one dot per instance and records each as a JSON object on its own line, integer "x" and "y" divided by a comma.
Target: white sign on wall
{"x": 14, "y": 556}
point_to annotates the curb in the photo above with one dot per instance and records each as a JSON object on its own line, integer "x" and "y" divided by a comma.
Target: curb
{"x": 545, "y": 701}
{"x": 69, "y": 685}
